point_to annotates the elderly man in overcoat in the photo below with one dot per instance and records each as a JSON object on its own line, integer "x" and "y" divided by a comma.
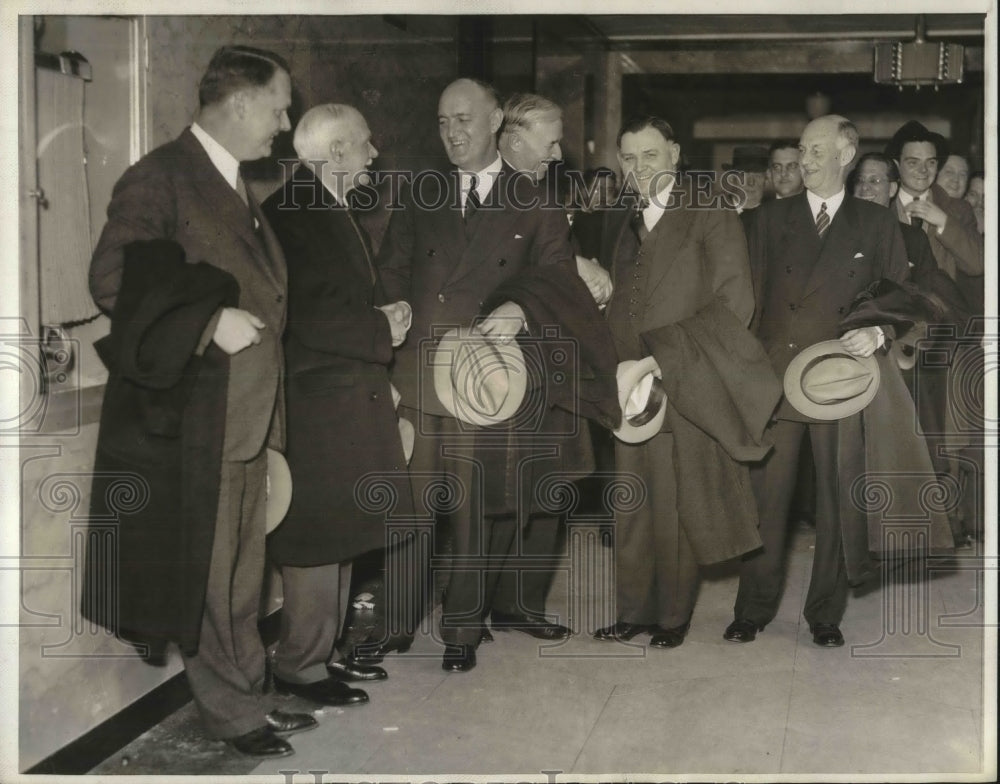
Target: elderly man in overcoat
{"x": 341, "y": 416}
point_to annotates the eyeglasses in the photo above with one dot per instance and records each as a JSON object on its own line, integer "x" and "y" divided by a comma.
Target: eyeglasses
{"x": 871, "y": 180}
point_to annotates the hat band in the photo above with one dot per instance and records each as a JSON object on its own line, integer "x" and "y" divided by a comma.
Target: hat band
{"x": 653, "y": 403}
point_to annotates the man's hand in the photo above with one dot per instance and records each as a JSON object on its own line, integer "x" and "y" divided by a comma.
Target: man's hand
{"x": 929, "y": 213}
{"x": 503, "y": 324}
{"x": 400, "y": 316}
{"x": 597, "y": 279}
{"x": 236, "y": 330}
{"x": 861, "y": 342}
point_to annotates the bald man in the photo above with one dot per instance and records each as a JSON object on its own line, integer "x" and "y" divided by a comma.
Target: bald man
{"x": 811, "y": 255}
{"x": 341, "y": 419}
{"x": 447, "y": 256}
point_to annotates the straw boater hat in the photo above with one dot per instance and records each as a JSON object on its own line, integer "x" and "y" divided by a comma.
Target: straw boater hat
{"x": 279, "y": 489}
{"x": 645, "y": 424}
{"x": 477, "y": 381}
{"x": 825, "y": 382}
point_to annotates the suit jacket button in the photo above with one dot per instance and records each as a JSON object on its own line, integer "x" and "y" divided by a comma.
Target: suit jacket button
{"x": 793, "y": 345}
{"x": 280, "y": 298}
{"x": 840, "y": 310}
{"x": 502, "y": 262}
{"x": 788, "y": 269}
{"x": 791, "y": 306}
{"x": 373, "y": 396}
{"x": 850, "y": 273}
{"x": 440, "y": 297}
{"x": 430, "y": 251}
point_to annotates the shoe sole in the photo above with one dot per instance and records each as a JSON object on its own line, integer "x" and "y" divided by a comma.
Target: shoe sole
{"x": 287, "y": 733}
{"x": 314, "y": 701}
{"x": 531, "y": 633}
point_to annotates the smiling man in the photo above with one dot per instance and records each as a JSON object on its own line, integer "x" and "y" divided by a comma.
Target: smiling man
{"x": 950, "y": 224}
{"x": 447, "y": 258}
{"x": 678, "y": 269}
{"x": 783, "y": 169}
{"x": 811, "y": 255}
{"x": 531, "y": 135}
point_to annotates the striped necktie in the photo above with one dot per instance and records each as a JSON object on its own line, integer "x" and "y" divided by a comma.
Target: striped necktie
{"x": 822, "y": 220}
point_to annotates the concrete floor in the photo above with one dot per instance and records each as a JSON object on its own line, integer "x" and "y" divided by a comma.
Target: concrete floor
{"x": 904, "y": 696}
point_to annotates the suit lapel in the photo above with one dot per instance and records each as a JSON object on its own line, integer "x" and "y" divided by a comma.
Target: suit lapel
{"x": 494, "y": 222}
{"x": 838, "y": 246}
{"x": 225, "y": 204}
{"x": 668, "y": 235}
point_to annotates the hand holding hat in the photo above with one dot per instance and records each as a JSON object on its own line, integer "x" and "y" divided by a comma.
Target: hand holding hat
{"x": 278, "y": 484}
{"x": 826, "y": 382}
{"x": 642, "y": 399}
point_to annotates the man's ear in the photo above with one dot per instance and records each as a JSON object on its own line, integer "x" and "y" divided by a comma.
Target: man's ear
{"x": 496, "y": 120}
{"x": 893, "y": 189}
{"x": 847, "y": 154}
{"x": 336, "y": 150}
{"x": 238, "y": 103}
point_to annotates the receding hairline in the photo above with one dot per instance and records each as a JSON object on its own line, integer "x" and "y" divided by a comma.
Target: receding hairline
{"x": 486, "y": 91}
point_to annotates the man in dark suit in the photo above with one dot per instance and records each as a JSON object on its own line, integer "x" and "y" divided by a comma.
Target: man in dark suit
{"x": 445, "y": 252}
{"x": 190, "y": 192}
{"x": 341, "y": 417}
{"x": 672, "y": 261}
{"x": 811, "y": 255}
{"x": 783, "y": 175}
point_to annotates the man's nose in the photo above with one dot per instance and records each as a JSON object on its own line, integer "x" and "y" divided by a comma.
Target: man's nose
{"x": 557, "y": 152}
{"x": 285, "y": 124}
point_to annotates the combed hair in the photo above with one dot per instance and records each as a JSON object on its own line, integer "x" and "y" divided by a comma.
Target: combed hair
{"x": 235, "y": 68}
{"x": 782, "y": 144}
{"x": 523, "y": 110}
{"x": 491, "y": 92}
{"x": 891, "y": 168}
{"x": 637, "y": 124}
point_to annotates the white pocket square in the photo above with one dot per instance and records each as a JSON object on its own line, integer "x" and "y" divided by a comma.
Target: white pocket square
{"x": 859, "y": 255}
{"x": 518, "y": 237}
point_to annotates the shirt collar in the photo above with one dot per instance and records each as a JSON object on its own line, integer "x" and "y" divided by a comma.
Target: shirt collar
{"x": 484, "y": 180}
{"x": 220, "y": 157}
{"x": 832, "y": 203}
{"x": 905, "y": 198}
{"x": 653, "y": 211}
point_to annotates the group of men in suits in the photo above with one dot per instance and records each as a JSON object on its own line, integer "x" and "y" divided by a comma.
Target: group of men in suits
{"x": 237, "y": 327}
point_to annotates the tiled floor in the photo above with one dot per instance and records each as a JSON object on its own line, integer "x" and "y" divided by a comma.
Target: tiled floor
{"x": 905, "y": 696}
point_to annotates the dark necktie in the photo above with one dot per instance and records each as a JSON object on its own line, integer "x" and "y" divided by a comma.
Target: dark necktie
{"x": 918, "y": 222}
{"x": 822, "y": 220}
{"x": 638, "y": 224}
{"x": 471, "y": 204}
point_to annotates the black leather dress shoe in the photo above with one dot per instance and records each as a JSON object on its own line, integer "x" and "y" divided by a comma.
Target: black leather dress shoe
{"x": 620, "y": 631}
{"x": 328, "y": 692}
{"x": 742, "y": 630}
{"x": 669, "y": 638}
{"x": 458, "y": 658}
{"x": 283, "y": 723}
{"x": 535, "y": 625}
{"x": 827, "y": 635}
{"x": 345, "y": 670}
{"x": 373, "y": 652}
{"x": 261, "y": 742}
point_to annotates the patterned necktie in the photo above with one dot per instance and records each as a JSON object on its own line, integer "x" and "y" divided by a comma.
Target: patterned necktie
{"x": 822, "y": 220}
